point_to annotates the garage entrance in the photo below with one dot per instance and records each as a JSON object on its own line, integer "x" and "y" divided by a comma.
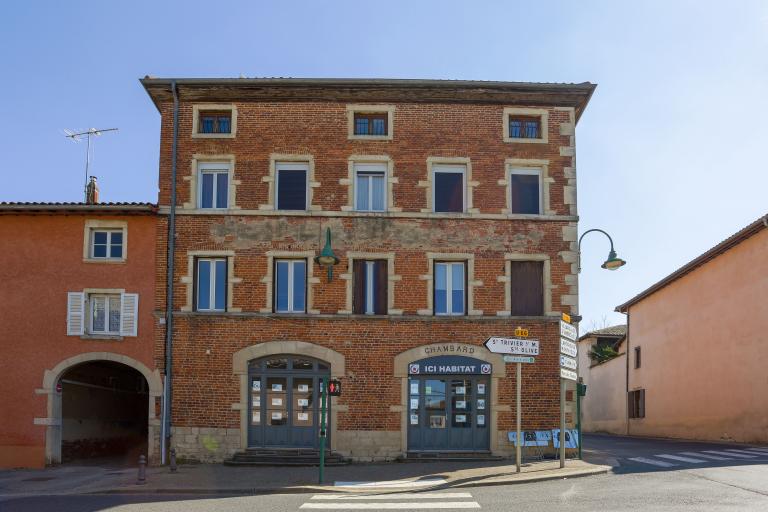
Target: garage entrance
{"x": 104, "y": 412}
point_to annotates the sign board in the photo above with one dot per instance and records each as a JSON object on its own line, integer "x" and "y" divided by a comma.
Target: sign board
{"x": 568, "y": 331}
{"x": 568, "y": 347}
{"x": 566, "y": 317}
{"x": 519, "y": 359}
{"x": 568, "y": 374}
{"x": 449, "y": 365}
{"x": 567, "y": 362}
{"x": 512, "y": 346}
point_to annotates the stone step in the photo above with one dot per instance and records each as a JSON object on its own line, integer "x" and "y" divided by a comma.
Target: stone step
{"x": 450, "y": 457}
{"x": 283, "y": 457}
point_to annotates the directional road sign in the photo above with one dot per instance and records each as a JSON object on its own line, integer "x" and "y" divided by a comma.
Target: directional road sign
{"x": 568, "y": 374}
{"x": 568, "y": 331}
{"x": 513, "y": 346}
{"x": 519, "y": 359}
{"x": 568, "y": 347}
{"x": 567, "y": 362}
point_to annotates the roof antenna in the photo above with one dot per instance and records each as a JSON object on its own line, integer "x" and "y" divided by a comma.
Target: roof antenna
{"x": 77, "y": 137}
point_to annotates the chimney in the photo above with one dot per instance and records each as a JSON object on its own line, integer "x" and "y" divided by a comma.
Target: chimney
{"x": 92, "y": 192}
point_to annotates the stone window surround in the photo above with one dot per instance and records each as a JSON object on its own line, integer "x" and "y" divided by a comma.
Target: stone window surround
{"x": 507, "y": 278}
{"x": 269, "y": 279}
{"x": 532, "y": 163}
{"x": 541, "y": 113}
{"x": 349, "y": 181}
{"x": 87, "y": 313}
{"x": 469, "y": 185}
{"x": 372, "y": 109}
{"x": 193, "y": 179}
{"x": 189, "y": 279}
{"x": 472, "y": 283}
{"x": 271, "y": 179}
{"x": 197, "y": 108}
{"x": 94, "y": 224}
{"x": 392, "y": 278}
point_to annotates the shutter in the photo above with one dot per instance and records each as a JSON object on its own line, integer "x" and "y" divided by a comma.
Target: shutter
{"x": 358, "y": 287}
{"x": 641, "y": 404}
{"x": 630, "y": 404}
{"x": 129, "y": 308}
{"x": 527, "y": 288}
{"x": 75, "y": 314}
{"x": 380, "y": 290}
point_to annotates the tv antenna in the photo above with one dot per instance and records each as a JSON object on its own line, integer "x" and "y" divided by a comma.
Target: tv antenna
{"x": 78, "y": 137}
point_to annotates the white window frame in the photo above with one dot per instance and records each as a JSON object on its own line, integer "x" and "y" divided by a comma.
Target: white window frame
{"x": 370, "y": 168}
{"x": 107, "y": 297}
{"x": 449, "y": 169}
{"x": 291, "y": 264}
{"x": 109, "y": 231}
{"x": 526, "y": 171}
{"x": 211, "y": 285}
{"x": 370, "y": 267}
{"x": 292, "y": 166}
{"x": 213, "y": 168}
{"x": 449, "y": 287}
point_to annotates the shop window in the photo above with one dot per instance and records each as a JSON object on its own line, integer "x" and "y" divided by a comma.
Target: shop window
{"x": 290, "y": 286}
{"x": 525, "y": 190}
{"x": 449, "y": 185}
{"x": 292, "y": 186}
{"x": 370, "y": 187}
{"x": 636, "y": 403}
{"x": 527, "y": 288}
{"x": 107, "y": 244}
{"x": 211, "y": 284}
{"x": 637, "y": 357}
{"x": 450, "y": 288}
{"x": 370, "y": 287}
{"x": 214, "y": 185}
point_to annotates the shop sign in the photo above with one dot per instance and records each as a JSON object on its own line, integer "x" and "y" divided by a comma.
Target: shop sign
{"x": 512, "y": 346}
{"x": 568, "y": 347}
{"x": 449, "y": 365}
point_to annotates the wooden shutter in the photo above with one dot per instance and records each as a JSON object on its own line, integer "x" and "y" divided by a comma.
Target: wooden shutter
{"x": 75, "y": 314}
{"x": 358, "y": 287}
{"x": 380, "y": 288}
{"x": 129, "y": 308}
{"x": 527, "y": 288}
{"x": 641, "y": 404}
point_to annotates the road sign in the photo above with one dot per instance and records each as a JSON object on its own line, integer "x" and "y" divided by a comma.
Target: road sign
{"x": 568, "y": 374}
{"x": 519, "y": 359}
{"x": 568, "y": 331}
{"x": 514, "y": 346}
{"x": 568, "y": 347}
{"x": 567, "y": 362}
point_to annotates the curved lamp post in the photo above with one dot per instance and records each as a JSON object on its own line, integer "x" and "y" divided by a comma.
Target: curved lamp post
{"x": 613, "y": 262}
{"x": 327, "y": 258}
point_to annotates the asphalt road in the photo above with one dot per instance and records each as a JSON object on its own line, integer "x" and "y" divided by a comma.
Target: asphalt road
{"x": 649, "y": 475}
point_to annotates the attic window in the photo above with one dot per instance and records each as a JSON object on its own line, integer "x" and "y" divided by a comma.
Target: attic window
{"x": 214, "y": 121}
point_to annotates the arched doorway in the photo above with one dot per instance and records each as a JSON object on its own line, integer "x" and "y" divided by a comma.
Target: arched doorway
{"x": 284, "y": 401}
{"x": 104, "y": 413}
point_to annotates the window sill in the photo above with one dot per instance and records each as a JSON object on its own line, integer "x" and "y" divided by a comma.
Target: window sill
{"x": 112, "y": 337}
{"x": 112, "y": 261}
{"x": 523, "y": 140}
{"x": 371, "y": 137}
{"x": 213, "y": 135}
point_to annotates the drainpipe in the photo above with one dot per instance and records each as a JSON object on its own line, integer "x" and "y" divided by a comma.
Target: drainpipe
{"x": 626, "y": 377}
{"x": 165, "y": 431}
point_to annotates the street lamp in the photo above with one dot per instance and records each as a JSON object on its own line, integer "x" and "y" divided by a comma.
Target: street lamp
{"x": 613, "y": 262}
{"x": 327, "y": 258}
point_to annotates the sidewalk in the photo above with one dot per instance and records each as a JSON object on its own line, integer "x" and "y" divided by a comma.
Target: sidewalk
{"x": 219, "y": 479}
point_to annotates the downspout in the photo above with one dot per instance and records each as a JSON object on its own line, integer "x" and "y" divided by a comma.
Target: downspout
{"x": 165, "y": 431}
{"x": 626, "y": 377}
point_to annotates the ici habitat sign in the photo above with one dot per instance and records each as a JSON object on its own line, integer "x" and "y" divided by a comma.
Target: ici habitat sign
{"x": 449, "y": 365}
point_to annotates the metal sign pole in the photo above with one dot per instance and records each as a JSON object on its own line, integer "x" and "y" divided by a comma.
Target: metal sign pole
{"x": 323, "y": 394}
{"x": 518, "y": 380}
{"x": 562, "y": 423}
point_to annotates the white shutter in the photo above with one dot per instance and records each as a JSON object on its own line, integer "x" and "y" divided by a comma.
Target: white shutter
{"x": 75, "y": 313}
{"x": 129, "y": 313}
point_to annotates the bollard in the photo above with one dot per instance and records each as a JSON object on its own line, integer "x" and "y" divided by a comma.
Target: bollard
{"x": 173, "y": 460}
{"x": 142, "y": 471}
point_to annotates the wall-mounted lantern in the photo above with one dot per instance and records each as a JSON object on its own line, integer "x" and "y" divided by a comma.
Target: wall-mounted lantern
{"x": 327, "y": 258}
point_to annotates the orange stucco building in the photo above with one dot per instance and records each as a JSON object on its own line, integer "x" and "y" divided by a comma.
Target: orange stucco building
{"x": 697, "y": 346}
{"x": 77, "y": 331}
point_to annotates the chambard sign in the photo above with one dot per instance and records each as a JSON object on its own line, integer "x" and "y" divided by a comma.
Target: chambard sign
{"x": 513, "y": 346}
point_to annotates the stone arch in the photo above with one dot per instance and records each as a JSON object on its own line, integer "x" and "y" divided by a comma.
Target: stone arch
{"x": 240, "y": 361}
{"x": 53, "y": 419}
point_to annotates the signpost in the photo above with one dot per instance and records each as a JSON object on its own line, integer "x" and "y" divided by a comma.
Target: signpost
{"x": 568, "y": 352}
{"x": 323, "y": 395}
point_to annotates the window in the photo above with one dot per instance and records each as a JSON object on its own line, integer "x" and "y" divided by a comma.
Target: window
{"x": 214, "y": 185}
{"x": 107, "y": 244}
{"x": 524, "y": 127}
{"x": 370, "y": 287}
{"x": 211, "y": 284}
{"x": 450, "y": 288}
{"x": 291, "y": 286}
{"x": 449, "y": 188}
{"x": 370, "y": 187}
{"x": 636, "y": 404}
{"x": 371, "y": 123}
{"x": 637, "y": 357}
{"x": 104, "y": 314}
{"x": 292, "y": 186}
{"x": 525, "y": 190}
{"x": 215, "y": 122}
{"x": 527, "y": 288}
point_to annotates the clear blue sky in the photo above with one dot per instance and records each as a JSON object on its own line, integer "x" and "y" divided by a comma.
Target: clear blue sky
{"x": 669, "y": 151}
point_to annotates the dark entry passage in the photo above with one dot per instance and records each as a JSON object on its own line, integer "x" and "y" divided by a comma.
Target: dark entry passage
{"x": 448, "y": 412}
{"x": 284, "y": 401}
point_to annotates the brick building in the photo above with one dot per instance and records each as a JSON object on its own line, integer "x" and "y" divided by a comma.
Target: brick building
{"x": 451, "y": 207}
{"x": 77, "y": 371}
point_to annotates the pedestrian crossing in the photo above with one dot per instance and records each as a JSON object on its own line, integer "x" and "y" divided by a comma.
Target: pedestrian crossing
{"x": 673, "y": 460}
{"x": 392, "y": 501}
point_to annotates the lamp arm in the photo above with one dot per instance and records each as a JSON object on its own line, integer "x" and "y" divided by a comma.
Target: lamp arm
{"x": 578, "y": 246}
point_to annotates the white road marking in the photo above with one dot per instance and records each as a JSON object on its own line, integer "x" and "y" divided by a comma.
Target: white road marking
{"x": 743, "y": 451}
{"x": 394, "y": 496}
{"x": 707, "y": 456}
{"x": 681, "y": 459}
{"x": 653, "y": 462}
{"x": 402, "y": 505}
{"x": 393, "y": 483}
{"x": 762, "y": 451}
{"x": 730, "y": 454}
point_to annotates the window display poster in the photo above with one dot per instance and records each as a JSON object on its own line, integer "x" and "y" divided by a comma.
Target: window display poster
{"x": 257, "y": 401}
{"x": 481, "y": 403}
{"x": 415, "y": 388}
{"x": 461, "y": 418}
{"x": 414, "y": 419}
{"x": 414, "y": 403}
{"x": 461, "y": 404}
{"x": 428, "y": 390}
{"x": 437, "y": 422}
{"x": 255, "y": 417}
{"x": 481, "y": 419}
{"x": 277, "y": 387}
{"x": 303, "y": 388}
{"x": 481, "y": 389}
{"x": 256, "y": 385}
{"x": 302, "y": 402}
{"x": 303, "y": 416}
{"x": 277, "y": 415}
{"x": 461, "y": 390}
{"x": 277, "y": 402}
